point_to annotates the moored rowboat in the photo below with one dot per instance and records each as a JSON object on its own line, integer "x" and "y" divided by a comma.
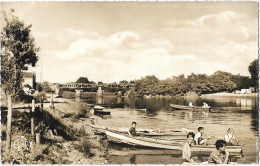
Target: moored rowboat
{"x": 163, "y": 144}
{"x": 179, "y": 134}
{"x": 101, "y": 110}
{"x": 182, "y": 107}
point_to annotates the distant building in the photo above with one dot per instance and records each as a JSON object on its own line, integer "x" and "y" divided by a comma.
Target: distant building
{"x": 252, "y": 89}
{"x": 244, "y": 91}
{"x": 29, "y": 78}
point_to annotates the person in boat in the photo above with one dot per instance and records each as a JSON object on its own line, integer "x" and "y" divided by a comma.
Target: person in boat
{"x": 198, "y": 137}
{"x": 190, "y": 104}
{"x": 205, "y": 105}
{"x": 186, "y": 150}
{"x": 219, "y": 156}
{"x": 229, "y": 137}
{"x": 132, "y": 130}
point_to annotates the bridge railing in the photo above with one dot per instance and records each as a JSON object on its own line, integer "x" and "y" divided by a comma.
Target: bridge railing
{"x": 86, "y": 85}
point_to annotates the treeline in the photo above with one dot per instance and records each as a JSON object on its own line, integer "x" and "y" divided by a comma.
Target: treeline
{"x": 199, "y": 83}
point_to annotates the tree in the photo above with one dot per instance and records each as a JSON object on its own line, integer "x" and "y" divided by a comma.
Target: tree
{"x": 18, "y": 50}
{"x": 123, "y": 82}
{"x": 82, "y": 80}
{"x": 253, "y": 70}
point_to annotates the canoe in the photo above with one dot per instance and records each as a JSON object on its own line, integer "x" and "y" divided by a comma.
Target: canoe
{"x": 179, "y": 134}
{"x": 101, "y": 110}
{"x": 141, "y": 109}
{"x": 163, "y": 144}
{"x": 182, "y": 107}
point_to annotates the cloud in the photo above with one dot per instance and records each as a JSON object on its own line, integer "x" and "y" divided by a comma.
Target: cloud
{"x": 126, "y": 39}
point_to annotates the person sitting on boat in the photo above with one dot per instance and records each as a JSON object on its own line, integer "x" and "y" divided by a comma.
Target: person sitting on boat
{"x": 198, "y": 137}
{"x": 229, "y": 137}
{"x": 205, "y": 105}
{"x": 190, "y": 104}
{"x": 219, "y": 156}
{"x": 186, "y": 150}
{"x": 132, "y": 130}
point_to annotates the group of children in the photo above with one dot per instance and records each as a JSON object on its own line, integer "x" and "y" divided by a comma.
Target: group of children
{"x": 218, "y": 156}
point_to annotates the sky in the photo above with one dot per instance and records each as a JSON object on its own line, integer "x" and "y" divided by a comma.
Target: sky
{"x": 114, "y": 41}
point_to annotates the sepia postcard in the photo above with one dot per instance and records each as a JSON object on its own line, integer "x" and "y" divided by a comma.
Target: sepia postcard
{"x": 129, "y": 82}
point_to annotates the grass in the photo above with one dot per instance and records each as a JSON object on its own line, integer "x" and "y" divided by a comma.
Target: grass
{"x": 85, "y": 147}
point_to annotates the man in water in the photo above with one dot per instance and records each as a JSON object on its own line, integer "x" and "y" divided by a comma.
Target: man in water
{"x": 219, "y": 156}
{"x": 186, "y": 150}
{"x": 132, "y": 130}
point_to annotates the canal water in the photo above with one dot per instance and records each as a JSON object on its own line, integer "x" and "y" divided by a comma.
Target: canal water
{"x": 239, "y": 113}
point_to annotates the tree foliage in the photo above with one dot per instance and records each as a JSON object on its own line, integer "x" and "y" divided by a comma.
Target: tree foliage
{"x": 17, "y": 52}
{"x": 253, "y": 70}
{"x": 44, "y": 87}
{"x": 82, "y": 80}
{"x": 200, "y": 83}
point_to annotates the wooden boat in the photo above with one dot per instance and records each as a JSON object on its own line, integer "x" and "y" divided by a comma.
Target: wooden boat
{"x": 194, "y": 108}
{"x": 140, "y": 109}
{"x": 178, "y": 134}
{"x": 163, "y": 144}
{"x": 101, "y": 110}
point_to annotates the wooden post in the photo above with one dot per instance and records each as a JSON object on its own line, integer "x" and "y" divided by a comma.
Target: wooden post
{"x": 32, "y": 118}
{"x": 52, "y": 103}
{"x": 9, "y": 126}
{"x": 32, "y": 125}
{"x": 38, "y": 139}
{"x": 42, "y": 102}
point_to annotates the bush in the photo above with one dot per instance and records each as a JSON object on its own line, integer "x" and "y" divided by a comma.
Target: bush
{"x": 82, "y": 110}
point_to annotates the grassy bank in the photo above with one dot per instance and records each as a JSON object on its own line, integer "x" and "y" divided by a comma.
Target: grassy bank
{"x": 66, "y": 136}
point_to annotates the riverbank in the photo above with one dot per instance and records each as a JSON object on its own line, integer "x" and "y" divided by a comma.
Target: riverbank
{"x": 69, "y": 140}
{"x": 230, "y": 95}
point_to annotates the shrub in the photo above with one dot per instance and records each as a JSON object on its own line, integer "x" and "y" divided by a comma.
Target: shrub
{"x": 82, "y": 110}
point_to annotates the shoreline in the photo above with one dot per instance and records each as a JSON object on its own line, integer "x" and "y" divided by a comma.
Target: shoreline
{"x": 230, "y": 95}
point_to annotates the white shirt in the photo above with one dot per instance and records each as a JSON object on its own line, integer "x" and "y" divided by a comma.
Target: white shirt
{"x": 197, "y": 137}
{"x": 186, "y": 151}
{"x": 229, "y": 137}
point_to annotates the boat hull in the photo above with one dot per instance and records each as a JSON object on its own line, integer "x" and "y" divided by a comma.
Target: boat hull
{"x": 163, "y": 144}
{"x": 181, "y": 107}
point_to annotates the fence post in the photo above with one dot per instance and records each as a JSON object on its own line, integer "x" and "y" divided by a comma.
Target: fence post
{"x": 9, "y": 126}
{"x": 38, "y": 139}
{"x": 32, "y": 125}
{"x": 32, "y": 118}
{"x": 42, "y": 102}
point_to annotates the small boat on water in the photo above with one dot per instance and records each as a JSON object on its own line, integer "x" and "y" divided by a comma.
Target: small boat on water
{"x": 178, "y": 134}
{"x": 138, "y": 109}
{"x": 101, "y": 110}
{"x": 194, "y": 108}
{"x": 163, "y": 144}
